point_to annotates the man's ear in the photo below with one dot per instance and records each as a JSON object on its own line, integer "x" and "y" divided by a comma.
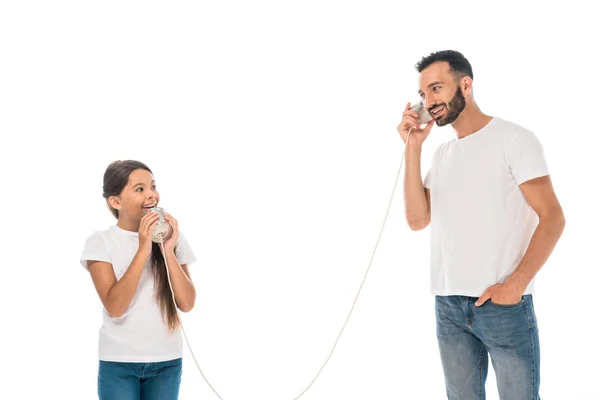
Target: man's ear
{"x": 466, "y": 85}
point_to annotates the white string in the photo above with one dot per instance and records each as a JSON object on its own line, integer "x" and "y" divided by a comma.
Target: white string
{"x": 351, "y": 309}
{"x": 179, "y": 317}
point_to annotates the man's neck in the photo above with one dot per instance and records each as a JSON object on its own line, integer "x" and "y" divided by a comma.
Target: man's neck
{"x": 470, "y": 120}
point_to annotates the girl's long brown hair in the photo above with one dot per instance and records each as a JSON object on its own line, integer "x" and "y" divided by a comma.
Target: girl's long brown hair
{"x": 115, "y": 180}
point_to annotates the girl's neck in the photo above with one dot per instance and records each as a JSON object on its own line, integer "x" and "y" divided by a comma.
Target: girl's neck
{"x": 128, "y": 224}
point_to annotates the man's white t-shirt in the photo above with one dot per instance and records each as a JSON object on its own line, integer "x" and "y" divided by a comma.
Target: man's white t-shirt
{"x": 481, "y": 224}
{"x": 139, "y": 335}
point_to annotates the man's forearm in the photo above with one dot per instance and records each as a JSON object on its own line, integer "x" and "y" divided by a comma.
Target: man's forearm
{"x": 542, "y": 243}
{"x": 417, "y": 210}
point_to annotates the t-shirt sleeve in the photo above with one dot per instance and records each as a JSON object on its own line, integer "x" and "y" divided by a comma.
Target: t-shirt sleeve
{"x": 526, "y": 157}
{"x": 427, "y": 180}
{"x": 184, "y": 252}
{"x": 94, "y": 250}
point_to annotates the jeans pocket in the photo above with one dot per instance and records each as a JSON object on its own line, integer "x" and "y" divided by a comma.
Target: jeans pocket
{"x": 520, "y": 303}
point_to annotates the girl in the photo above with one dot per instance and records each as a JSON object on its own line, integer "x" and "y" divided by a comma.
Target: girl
{"x": 140, "y": 346}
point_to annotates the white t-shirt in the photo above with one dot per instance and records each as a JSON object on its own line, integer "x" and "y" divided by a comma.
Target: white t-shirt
{"x": 481, "y": 224}
{"x": 139, "y": 335}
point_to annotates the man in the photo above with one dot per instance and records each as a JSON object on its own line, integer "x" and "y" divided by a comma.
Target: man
{"x": 494, "y": 218}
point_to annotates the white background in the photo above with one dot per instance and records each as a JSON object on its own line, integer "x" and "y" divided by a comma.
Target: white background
{"x": 271, "y": 131}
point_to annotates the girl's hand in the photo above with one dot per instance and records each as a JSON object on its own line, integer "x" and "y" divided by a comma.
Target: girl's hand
{"x": 147, "y": 224}
{"x": 172, "y": 242}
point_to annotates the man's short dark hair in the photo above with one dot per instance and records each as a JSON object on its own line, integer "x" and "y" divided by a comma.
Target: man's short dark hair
{"x": 459, "y": 65}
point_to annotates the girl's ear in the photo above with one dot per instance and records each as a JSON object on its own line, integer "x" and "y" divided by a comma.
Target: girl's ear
{"x": 115, "y": 202}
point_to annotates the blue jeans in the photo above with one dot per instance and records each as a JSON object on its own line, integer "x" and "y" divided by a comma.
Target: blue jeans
{"x": 509, "y": 334}
{"x": 139, "y": 381}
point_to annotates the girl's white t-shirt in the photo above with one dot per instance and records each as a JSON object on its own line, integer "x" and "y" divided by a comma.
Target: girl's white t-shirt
{"x": 139, "y": 335}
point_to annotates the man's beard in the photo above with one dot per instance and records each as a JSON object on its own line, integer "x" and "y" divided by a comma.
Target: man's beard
{"x": 453, "y": 108}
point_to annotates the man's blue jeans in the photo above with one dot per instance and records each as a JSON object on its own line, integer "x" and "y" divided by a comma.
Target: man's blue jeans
{"x": 509, "y": 334}
{"x": 139, "y": 381}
